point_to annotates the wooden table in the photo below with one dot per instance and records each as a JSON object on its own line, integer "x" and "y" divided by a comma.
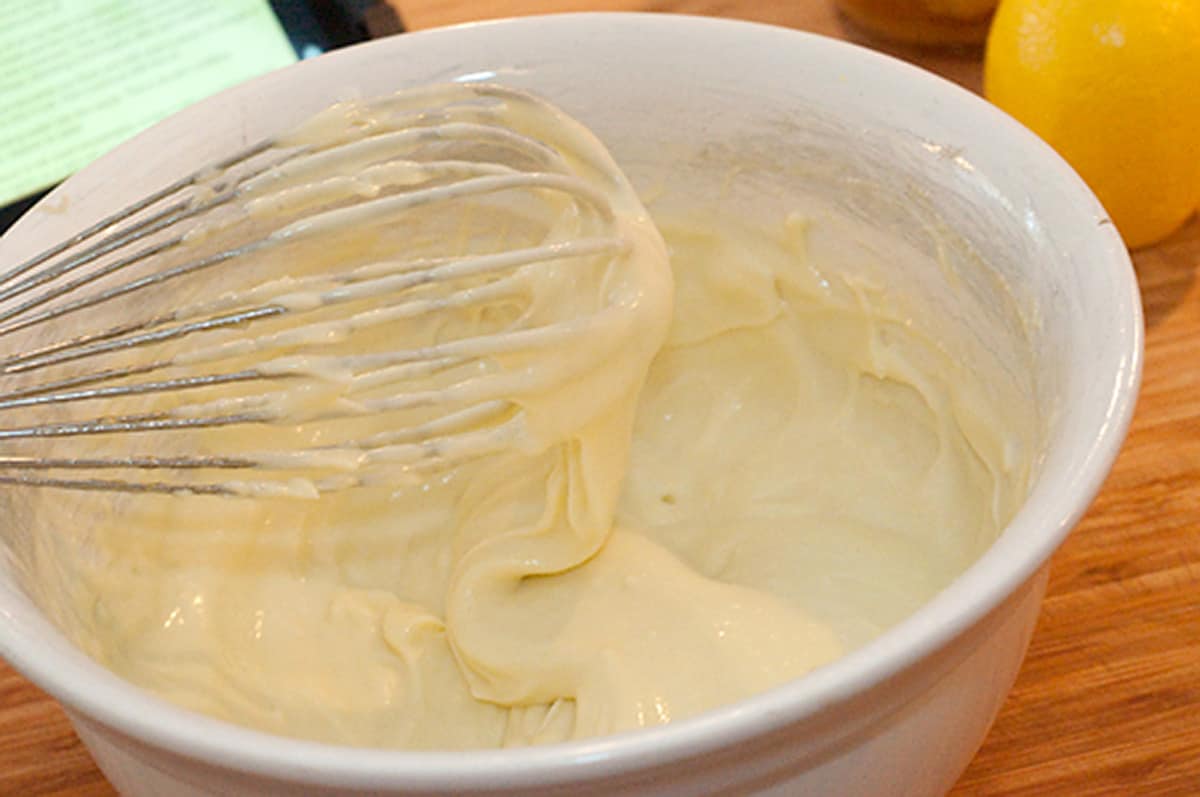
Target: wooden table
{"x": 1108, "y": 702}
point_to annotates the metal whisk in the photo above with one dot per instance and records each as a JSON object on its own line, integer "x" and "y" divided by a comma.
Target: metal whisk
{"x": 376, "y": 294}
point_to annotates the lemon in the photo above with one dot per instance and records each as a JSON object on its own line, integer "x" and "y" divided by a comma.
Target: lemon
{"x": 1114, "y": 86}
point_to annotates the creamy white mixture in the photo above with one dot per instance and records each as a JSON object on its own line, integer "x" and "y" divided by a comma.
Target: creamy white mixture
{"x": 791, "y": 475}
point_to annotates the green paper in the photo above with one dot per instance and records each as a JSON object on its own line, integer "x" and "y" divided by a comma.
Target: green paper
{"x": 77, "y": 77}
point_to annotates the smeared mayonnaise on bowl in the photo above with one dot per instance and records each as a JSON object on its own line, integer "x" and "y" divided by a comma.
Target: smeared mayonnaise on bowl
{"x": 800, "y": 467}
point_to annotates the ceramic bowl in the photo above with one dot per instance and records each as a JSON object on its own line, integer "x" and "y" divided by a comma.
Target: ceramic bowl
{"x": 933, "y": 189}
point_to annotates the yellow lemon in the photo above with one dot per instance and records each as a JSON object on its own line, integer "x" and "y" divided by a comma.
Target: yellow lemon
{"x": 1114, "y": 86}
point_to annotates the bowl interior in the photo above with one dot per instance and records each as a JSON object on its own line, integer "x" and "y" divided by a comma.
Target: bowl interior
{"x": 989, "y": 238}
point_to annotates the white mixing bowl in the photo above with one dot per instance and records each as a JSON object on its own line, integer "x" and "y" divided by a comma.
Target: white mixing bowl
{"x": 1010, "y": 255}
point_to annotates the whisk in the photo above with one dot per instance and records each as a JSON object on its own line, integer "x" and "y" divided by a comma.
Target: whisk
{"x": 391, "y": 289}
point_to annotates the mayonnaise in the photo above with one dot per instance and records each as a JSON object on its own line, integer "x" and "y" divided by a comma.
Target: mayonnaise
{"x": 747, "y": 467}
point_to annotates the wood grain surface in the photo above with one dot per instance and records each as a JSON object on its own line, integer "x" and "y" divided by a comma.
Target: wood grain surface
{"x": 1108, "y": 702}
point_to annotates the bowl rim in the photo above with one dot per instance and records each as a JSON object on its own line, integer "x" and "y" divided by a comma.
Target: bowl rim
{"x": 1055, "y": 504}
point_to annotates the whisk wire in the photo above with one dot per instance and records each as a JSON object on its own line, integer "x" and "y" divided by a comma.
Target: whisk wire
{"x": 338, "y": 344}
{"x": 111, "y": 221}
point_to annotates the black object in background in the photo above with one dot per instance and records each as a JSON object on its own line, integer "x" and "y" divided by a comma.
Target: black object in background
{"x": 315, "y": 26}
{"x": 13, "y": 211}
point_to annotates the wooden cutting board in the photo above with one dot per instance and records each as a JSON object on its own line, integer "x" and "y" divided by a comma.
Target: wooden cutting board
{"x": 1108, "y": 702}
